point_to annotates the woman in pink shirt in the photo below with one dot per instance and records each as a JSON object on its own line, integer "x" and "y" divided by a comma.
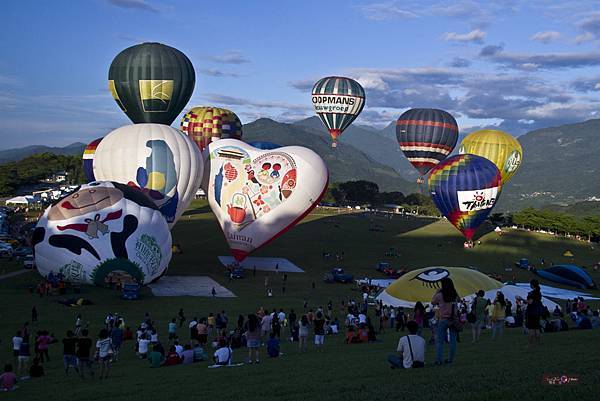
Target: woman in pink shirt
{"x": 446, "y": 299}
{"x": 43, "y": 342}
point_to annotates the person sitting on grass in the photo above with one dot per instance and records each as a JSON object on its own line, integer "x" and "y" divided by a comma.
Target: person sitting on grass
{"x": 199, "y": 354}
{"x": 155, "y": 357}
{"x": 411, "y": 349}
{"x": 187, "y": 356}
{"x": 8, "y": 379}
{"x": 36, "y": 369}
{"x": 363, "y": 333}
{"x": 172, "y": 357}
{"x": 223, "y": 354}
{"x": 352, "y": 336}
{"x": 273, "y": 346}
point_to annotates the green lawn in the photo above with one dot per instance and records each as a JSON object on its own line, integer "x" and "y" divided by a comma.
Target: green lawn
{"x": 503, "y": 370}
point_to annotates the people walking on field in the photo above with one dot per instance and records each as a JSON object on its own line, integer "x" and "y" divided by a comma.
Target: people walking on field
{"x": 303, "y": 329}
{"x": 319, "y": 330}
{"x": 533, "y": 313}
{"x": 253, "y": 338}
{"x": 69, "y": 352}
{"x": 446, "y": 299}
{"x": 498, "y": 315}
{"x": 84, "y": 346}
{"x": 105, "y": 352}
{"x": 478, "y": 310}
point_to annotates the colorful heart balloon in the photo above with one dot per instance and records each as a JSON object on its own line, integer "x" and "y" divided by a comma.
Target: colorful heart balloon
{"x": 257, "y": 194}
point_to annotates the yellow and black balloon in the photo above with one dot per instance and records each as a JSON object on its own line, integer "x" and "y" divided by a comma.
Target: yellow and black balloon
{"x": 151, "y": 82}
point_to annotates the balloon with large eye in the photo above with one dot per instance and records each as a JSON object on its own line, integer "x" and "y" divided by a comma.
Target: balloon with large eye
{"x": 426, "y": 137}
{"x": 497, "y": 146}
{"x": 103, "y": 233}
{"x": 88, "y": 159}
{"x": 337, "y": 102}
{"x": 465, "y": 189}
{"x": 151, "y": 82}
{"x": 207, "y": 124}
{"x": 160, "y": 160}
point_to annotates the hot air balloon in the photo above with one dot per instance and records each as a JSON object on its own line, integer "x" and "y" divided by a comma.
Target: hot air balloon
{"x": 426, "y": 136}
{"x": 88, "y": 159}
{"x": 337, "y": 102}
{"x": 151, "y": 82}
{"x": 257, "y": 195}
{"x": 497, "y": 146}
{"x": 207, "y": 124}
{"x": 104, "y": 232}
{"x": 465, "y": 188}
{"x": 159, "y": 159}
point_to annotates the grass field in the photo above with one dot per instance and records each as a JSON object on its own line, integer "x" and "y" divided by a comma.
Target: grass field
{"x": 501, "y": 370}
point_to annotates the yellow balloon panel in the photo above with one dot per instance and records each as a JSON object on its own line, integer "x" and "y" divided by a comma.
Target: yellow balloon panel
{"x": 497, "y": 146}
{"x": 422, "y": 284}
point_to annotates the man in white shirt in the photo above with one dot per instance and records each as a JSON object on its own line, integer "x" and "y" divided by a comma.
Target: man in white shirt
{"x": 281, "y": 316}
{"x": 17, "y": 341}
{"x": 265, "y": 324}
{"x": 143, "y": 343}
{"x": 223, "y": 354}
{"x": 178, "y": 348}
{"x": 411, "y": 349}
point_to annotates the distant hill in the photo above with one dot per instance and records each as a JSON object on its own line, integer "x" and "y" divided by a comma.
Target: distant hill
{"x": 11, "y": 155}
{"x": 586, "y": 208}
{"x": 347, "y": 162}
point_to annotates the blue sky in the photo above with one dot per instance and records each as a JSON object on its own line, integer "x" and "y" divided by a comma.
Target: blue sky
{"x": 515, "y": 65}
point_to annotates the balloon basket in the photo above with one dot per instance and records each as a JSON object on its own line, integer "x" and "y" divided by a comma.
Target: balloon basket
{"x": 334, "y": 145}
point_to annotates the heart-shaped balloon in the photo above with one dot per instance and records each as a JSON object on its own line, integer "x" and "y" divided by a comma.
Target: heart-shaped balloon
{"x": 257, "y": 194}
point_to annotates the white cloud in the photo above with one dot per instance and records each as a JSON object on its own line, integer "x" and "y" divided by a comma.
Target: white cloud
{"x": 385, "y": 11}
{"x": 475, "y": 36}
{"x": 545, "y": 36}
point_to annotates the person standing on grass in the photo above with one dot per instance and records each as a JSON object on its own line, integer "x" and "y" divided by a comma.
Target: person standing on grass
{"x": 69, "y": 346}
{"x": 202, "y": 330}
{"x": 319, "y": 330}
{"x": 533, "y": 313}
{"x": 34, "y": 314}
{"x": 419, "y": 316}
{"x": 446, "y": 299}
{"x": 172, "y": 328}
{"x": 498, "y": 315}
{"x": 478, "y": 309}
{"x": 411, "y": 349}
{"x": 84, "y": 345}
{"x": 43, "y": 343}
{"x": 116, "y": 336}
{"x": 303, "y": 328}
{"x": 181, "y": 316}
{"x": 23, "y": 358}
{"x": 17, "y": 340}
{"x": 253, "y": 338}
{"x": 105, "y": 352}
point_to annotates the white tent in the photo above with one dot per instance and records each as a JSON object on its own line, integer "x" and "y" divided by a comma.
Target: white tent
{"x": 511, "y": 292}
{"x": 20, "y": 200}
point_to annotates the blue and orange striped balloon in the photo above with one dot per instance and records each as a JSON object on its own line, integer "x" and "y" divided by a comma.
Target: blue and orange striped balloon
{"x": 426, "y": 137}
{"x": 465, "y": 189}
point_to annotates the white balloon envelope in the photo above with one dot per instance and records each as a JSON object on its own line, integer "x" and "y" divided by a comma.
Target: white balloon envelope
{"x": 158, "y": 159}
{"x": 104, "y": 232}
{"x": 257, "y": 194}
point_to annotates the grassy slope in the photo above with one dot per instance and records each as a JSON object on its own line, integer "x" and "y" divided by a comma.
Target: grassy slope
{"x": 485, "y": 371}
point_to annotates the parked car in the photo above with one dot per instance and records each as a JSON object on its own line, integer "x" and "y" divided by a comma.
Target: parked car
{"x": 22, "y": 251}
{"x": 338, "y": 275}
{"x": 6, "y": 250}
{"x": 29, "y": 262}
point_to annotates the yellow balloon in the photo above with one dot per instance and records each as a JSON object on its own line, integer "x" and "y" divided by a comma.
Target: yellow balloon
{"x": 156, "y": 180}
{"x": 497, "y": 146}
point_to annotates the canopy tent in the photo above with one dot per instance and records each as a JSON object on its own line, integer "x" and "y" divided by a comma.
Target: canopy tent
{"x": 560, "y": 293}
{"x": 20, "y": 200}
{"x": 421, "y": 285}
{"x": 568, "y": 254}
{"x": 512, "y": 292}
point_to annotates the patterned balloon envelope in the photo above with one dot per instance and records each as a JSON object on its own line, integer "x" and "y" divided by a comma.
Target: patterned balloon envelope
{"x": 257, "y": 194}
{"x": 207, "y": 124}
{"x": 104, "y": 232}
{"x": 88, "y": 160}
{"x": 159, "y": 159}
{"x": 465, "y": 189}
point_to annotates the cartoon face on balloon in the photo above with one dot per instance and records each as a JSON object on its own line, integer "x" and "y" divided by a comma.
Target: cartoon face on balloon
{"x": 103, "y": 232}
{"x": 255, "y": 194}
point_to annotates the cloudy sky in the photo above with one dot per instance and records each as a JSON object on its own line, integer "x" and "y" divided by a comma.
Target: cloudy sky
{"x": 516, "y": 65}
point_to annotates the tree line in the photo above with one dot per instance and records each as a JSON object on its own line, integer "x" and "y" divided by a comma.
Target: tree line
{"x": 34, "y": 168}
{"x": 558, "y": 222}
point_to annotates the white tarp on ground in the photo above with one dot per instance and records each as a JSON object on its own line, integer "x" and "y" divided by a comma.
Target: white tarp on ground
{"x": 559, "y": 293}
{"x": 263, "y": 264}
{"x": 19, "y": 200}
{"x": 510, "y": 293}
{"x": 377, "y": 282}
{"x": 193, "y": 286}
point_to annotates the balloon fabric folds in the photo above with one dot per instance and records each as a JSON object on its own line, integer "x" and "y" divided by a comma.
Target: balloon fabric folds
{"x": 465, "y": 189}
{"x": 207, "y": 124}
{"x": 502, "y": 149}
{"x": 257, "y": 194}
{"x": 104, "y": 232}
{"x": 160, "y": 160}
{"x": 151, "y": 82}
{"x": 337, "y": 102}
{"x": 426, "y": 137}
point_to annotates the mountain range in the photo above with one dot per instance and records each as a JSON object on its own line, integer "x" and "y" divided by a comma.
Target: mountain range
{"x": 560, "y": 164}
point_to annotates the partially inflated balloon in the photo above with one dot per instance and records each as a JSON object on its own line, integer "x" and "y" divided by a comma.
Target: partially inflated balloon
{"x": 207, "y": 124}
{"x": 426, "y": 137}
{"x": 151, "y": 82}
{"x": 88, "y": 159}
{"x": 465, "y": 189}
{"x": 103, "y": 233}
{"x": 497, "y": 146}
{"x": 337, "y": 102}
{"x": 264, "y": 145}
{"x": 159, "y": 159}
{"x": 257, "y": 195}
